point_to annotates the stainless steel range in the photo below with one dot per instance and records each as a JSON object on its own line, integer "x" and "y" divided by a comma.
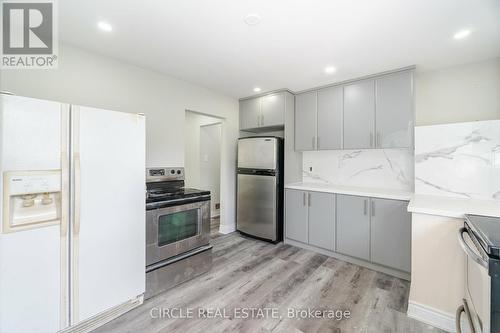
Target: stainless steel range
{"x": 480, "y": 240}
{"x": 177, "y": 230}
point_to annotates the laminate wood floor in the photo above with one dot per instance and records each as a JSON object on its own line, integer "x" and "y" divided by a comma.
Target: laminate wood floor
{"x": 255, "y": 274}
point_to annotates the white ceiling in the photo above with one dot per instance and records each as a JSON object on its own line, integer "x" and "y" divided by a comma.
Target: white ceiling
{"x": 207, "y": 42}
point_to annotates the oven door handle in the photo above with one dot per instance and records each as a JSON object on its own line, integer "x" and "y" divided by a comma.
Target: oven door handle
{"x": 464, "y": 308}
{"x": 473, "y": 255}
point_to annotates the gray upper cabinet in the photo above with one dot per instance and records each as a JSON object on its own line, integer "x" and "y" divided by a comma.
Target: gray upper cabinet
{"x": 250, "y": 113}
{"x": 391, "y": 233}
{"x": 394, "y": 110}
{"x": 273, "y": 110}
{"x": 322, "y": 220}
{"x": 296, "y": 215}
{"x": 305, "y": 121}
{"x": 259, "y": 113}
{"x": 359, "y": 115}
{"x": 330, "y": 107}
{"x": 353, "y": 226}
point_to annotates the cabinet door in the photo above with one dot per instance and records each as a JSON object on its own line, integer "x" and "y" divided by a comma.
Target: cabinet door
{"x": 250, "y": 113}
{"x": 296, "y": 215}
{"x": 391, "y": 233}
{"x": 273, "y": 110}
{"x": 322, "y": 220}
{"x": 353, "y": 226}
{"x": 305, "y": 121}
{"x": 330, "y": 107}
{"x": 394, "y": 114}
{"x": 359, "y": 115}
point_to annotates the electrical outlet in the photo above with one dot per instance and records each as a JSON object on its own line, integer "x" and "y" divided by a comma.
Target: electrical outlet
{"x": 310, "y": 169}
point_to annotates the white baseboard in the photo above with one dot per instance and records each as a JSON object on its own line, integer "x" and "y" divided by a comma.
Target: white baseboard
{"x": 227, "y": 229}
{"x": 100, "y": 319}
{"x": 432, "y": 316}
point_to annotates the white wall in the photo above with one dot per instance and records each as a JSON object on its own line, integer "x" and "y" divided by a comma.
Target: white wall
{"x": 457, "y": 94}
{"x": 199, "y": 173}
{"x": 210, "y": 136}
{"x": 89, "y": 79}
{"x": 192, "y": 144}
{"x": 437, "y": 270}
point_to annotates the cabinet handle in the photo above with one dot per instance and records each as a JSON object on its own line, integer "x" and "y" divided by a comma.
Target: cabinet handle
{"x": 373, "y": 207}
{"x": 317, "y": 142}
{"x": 309, "y": 199}
{"x": 262, "y": 120}
{"x": 378, "y": 139}
{"x": 303, "y": 198}
{"x": 371, "y": 139}
{"x": 365, "y": 207}
{"x": 313, "y": 143}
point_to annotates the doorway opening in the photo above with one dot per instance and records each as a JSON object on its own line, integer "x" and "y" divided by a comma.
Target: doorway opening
{"x": 202, "y": 159}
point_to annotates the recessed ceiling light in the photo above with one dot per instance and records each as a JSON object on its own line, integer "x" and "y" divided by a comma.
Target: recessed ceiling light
{"x": 104, "y": 26}
{"x": 252, "y": 19}
{"x": 256, "y": 89}
{"x": 330, "y": 70}
{"x": 462, "y": 34}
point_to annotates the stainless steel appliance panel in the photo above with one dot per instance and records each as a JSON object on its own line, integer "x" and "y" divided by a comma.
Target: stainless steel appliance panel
{"x": 161, "y": 246}
{"x": 256, "y": 212}
{"x": 182, "y": 268}
{"x": 258, "y": 153}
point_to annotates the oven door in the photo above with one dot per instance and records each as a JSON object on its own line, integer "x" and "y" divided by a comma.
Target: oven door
{"x": 477, "y": 281}
{"x": 174, "y": 230}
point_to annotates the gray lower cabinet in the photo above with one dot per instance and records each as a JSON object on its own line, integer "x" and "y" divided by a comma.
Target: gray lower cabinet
{"x": 296, "y": 215}
{"x": 353, "y": 226}
{"x": 372, "y": 229}
{"x": 394, "y": 112}
{"x": 322, "y": 220}
{"x": 250, "y": 113}
{"x": 359, "y": 115}
{"x": 305, "y": 121}
{"x": 273, "y": 110}
{"x": 330, "y": 109}
{"x": 391, "y": 233}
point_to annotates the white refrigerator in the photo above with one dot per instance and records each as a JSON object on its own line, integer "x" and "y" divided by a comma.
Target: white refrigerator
{"x": 72, "y": 237}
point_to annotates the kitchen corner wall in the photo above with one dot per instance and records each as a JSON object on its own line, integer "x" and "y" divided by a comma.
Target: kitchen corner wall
{"x": 467, "y": 92}
{"x": 458, "y": 160}
{"x": 89, "y": 79}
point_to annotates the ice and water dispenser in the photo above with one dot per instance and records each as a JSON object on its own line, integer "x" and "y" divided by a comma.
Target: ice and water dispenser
{"x": 32, "y": 199}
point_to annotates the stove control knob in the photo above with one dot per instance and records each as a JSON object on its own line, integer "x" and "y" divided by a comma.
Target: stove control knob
{"x": 172, "y": 171}
{"x": 178, "y": 172}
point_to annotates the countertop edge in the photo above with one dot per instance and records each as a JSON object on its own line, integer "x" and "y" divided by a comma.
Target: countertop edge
{"x": 354, "y": 191}
{"x": 453, "y": 207}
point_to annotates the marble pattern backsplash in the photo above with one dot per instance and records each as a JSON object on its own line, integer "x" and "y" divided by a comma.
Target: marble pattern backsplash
{"x": 375, "y": 168}
{"x": 458, "y": 160}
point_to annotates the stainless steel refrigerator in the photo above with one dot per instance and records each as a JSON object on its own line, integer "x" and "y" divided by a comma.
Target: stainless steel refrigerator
{"x": 260, "y": 187}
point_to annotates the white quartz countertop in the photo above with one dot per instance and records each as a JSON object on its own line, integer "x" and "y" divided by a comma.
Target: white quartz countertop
{"x": 352, "y": 190}
{"x": 453, "y": 207}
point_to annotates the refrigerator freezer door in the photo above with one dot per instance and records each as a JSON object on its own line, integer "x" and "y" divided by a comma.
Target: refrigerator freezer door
{"x": 256, "y": 213}
{"x": 108, "y": 259}
{"x": 32, "y": 264}
{"x": 258, "y": 153}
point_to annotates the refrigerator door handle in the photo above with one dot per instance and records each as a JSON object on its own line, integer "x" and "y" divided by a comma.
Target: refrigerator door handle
{"x": 77, "y": 194}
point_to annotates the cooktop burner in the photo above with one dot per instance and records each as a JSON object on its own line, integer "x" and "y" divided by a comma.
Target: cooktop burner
{"x": 162, "y": 194}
